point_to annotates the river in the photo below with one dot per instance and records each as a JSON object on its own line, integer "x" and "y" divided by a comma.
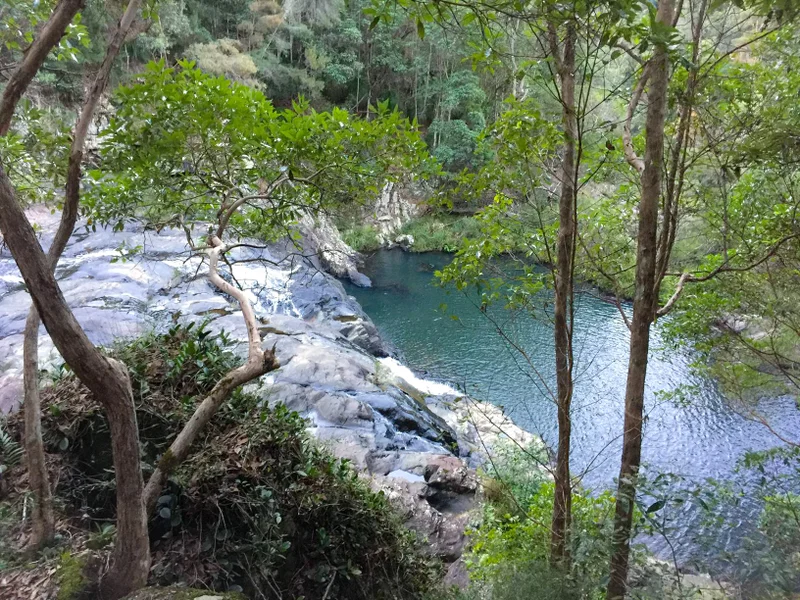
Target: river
{"x": 702, "y": 437}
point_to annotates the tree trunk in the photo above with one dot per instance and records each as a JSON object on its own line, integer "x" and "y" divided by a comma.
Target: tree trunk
{"x": 35, "y": 55}
{"x": 42, "y": 516}
{"x": 179, "y": 449}
{"x": 258, "y": 363}
{"x": 565, "y": 248}
{"x": 644, "y": 306}
{"x": 107, "y": 379}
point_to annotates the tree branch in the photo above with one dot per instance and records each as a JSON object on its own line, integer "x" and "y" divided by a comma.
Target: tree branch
{"x": 35, "y": 55}
{"x": 258, "y": 363}
{"x": 723, "y": 268}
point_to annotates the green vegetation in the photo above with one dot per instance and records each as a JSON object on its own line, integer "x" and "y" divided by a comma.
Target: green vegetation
{"x": 71, "y": 579}
{"x": 361, "y": 238}
{"x": 258, "y": 505}
{"x": 510, "y": 548}
{"x": 650, "y": 148}
{"x": 439, "y": 233}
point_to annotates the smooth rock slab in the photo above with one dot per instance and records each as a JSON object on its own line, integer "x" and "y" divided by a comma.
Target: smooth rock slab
{"x": 415, "y": 439}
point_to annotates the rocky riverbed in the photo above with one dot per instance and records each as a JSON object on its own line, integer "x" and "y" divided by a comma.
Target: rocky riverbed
{"x": 420, "y": 441}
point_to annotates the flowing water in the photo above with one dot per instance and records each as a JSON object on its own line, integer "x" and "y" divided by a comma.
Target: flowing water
{"x": 703, "y": 437}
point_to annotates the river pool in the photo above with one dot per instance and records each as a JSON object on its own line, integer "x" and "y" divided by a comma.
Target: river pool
{"x": 700, "y": 438}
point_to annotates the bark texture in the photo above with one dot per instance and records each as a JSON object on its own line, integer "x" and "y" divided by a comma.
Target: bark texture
{"x": 34, "y": 56}
{"x": 106, "y": 379}
{"x": 644, "y": 308}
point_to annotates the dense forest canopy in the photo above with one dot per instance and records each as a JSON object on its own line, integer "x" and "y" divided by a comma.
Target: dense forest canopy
{"x": 642, "y": 152}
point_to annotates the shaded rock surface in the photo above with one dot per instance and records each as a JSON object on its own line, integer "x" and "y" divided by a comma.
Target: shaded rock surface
{"x": 322, "y": 242}
{"x": 395, "y": 206}
{"x": 419, "y": 440}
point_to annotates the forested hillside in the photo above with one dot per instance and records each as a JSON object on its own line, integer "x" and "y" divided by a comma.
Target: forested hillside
{"x": 561, "y": 358}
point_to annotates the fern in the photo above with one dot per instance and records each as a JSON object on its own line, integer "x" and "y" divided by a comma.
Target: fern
{"x": 10, "y": 451}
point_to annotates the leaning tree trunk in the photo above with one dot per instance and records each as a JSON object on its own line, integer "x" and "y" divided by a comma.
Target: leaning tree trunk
{"x": 258, "y": 363}
{"x": 107, "y": 379}
{"x": 644, "y": 307}
{"x": 565, "y": 247}
{"x": 43, "y": 525}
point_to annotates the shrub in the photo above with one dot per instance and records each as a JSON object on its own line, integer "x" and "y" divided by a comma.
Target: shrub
{"x": 361, "y": 238}
{"x": 258, "y": 506}
{"x": 440, "y": 233}
{"x": 510, "y": 552}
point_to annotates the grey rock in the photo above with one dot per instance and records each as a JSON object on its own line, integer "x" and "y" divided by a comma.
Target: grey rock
{"x": 421, "y": 449}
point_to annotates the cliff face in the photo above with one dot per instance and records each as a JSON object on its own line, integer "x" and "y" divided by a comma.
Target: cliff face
{"x": 395, "y": 206}
{"x": 418, "y": 440}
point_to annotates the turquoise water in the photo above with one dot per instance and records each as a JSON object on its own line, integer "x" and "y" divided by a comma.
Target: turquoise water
{"x": 703, "y": 438}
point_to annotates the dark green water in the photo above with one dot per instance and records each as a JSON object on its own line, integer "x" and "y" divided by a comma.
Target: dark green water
{"x": 702, "y": 439}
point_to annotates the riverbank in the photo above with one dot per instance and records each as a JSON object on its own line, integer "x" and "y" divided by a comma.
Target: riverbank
{"x": 426, "y": 233}
{"x": 418, "y": 441}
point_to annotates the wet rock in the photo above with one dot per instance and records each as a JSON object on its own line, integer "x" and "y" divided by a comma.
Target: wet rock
{"x": 344, "y": 411}
{"x": 405, "y": 241}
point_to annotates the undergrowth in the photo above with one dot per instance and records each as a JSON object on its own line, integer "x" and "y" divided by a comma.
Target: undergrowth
{"x": 440, "y": 232}
{"x": 258, "y": 506}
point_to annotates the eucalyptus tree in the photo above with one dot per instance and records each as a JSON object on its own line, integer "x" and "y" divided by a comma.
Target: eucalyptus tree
{"x": 42, "y": 516}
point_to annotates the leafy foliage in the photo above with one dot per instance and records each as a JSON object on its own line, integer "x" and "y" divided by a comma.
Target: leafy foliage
{"x": 510, "y": 548}
{"x": 10, "y": 451}
{"x": 258, "y": 506}
{"x": 183, "y": 145}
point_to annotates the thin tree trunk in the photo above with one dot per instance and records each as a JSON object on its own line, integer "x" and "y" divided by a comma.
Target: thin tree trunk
{"x": 644, "y": 307}
{"x": 562, "y": 502}
{"x": 42, "y": 518}
{"x": 35, "y": 55}
{"x": 108, "y": 381}
{"x": 106, "y": 378}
